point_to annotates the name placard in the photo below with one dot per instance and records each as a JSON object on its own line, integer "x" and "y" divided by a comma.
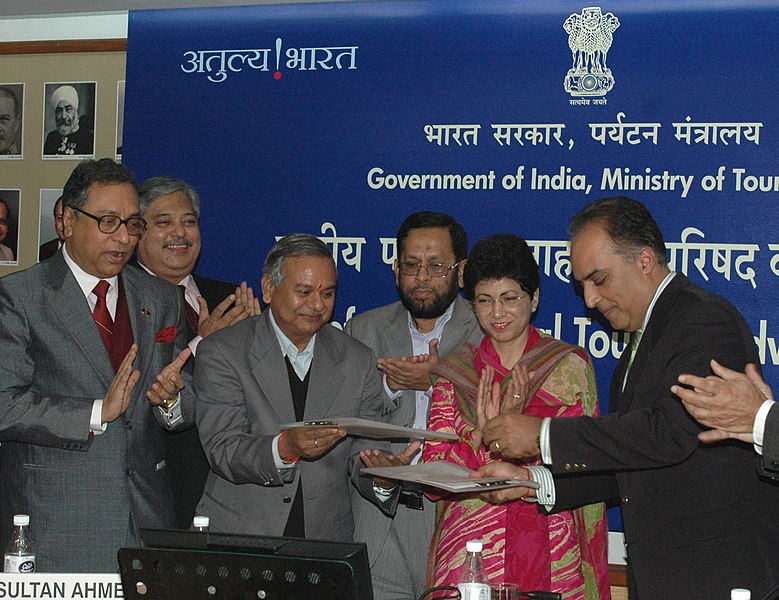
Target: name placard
{"x": 40, "y": 586}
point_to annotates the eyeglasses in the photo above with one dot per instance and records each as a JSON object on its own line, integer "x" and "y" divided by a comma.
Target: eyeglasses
{"x": 111, "y": 223}
{"x": 507, "y": 301}
{"x": 412, "y": 267}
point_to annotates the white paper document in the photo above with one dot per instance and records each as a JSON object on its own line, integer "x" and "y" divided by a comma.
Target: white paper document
{"x": 447, "y": 476}
{"x": 373, "y": 429}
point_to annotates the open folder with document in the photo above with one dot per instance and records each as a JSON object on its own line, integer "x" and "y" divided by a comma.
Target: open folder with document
{"x": 373, "y": 429}
{"x": 447, "y": 476}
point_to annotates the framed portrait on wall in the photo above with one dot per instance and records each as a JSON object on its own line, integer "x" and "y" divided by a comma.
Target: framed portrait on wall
{"x": 9, "y": 226}
{"x": 69, "y": 120}
{"x": 11, "y": 120}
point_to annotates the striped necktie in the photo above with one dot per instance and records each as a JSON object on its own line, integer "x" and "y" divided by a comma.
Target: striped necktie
{"x": 105, "y": 323}
{"x": 635, "y": 340}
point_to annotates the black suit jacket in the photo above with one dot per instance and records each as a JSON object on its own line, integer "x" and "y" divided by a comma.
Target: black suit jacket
{"x": 188, "y": 463}
{"x": 769, "y": 462}
{"x": 698, "y": 518}
{"x": 48, "y": 249}
{"x": 213, "y": 290}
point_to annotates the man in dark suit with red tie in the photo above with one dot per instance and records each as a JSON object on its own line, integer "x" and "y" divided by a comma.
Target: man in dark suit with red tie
{"x": 169, "y": 248}
{"x": 93, "y": 371}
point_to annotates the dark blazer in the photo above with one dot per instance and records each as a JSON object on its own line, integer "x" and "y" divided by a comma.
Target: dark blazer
{"x": 87, "y": 496}
{"x": 698, "y": 518}
{"x": 769, "y": 462}
{"x": 213, "y": 290}
{"x": 243, "y": 396}
{"x": 47, "y": 249}
{"x": 187, "y": 461}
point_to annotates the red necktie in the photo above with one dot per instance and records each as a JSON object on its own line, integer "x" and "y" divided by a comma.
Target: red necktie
{"x": 189, "y": 312}
{"x": 101, "y": 315}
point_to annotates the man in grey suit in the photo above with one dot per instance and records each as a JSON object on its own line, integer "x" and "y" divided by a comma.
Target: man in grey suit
{"x": 82, "y": 431}
{"x": 282, "y": 366}
{"x": 429, "y": 321}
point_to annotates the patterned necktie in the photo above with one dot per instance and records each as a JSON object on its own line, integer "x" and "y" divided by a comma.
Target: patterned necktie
{"x": 635, "y": 340}
{"x": 105, "y": 323}
{"x": 189, "y": 312}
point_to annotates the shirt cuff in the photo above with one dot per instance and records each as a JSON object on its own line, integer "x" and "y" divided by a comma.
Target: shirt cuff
{"x": 96, "y": 425}
{"x": 545, "y": 494}
{"x": 758, "y": 429}
{"x": 543, "y": 441}
{"x": 193, "y": 344}
{"x": 388, "y": 391}
{"x": 383, "y": 494}
{"x": 171, "y": 416}
{"x": 281, "y": 466}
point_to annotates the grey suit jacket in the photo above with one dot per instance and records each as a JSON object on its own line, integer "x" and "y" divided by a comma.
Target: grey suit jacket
{"x": 385, "y": 331}
{"x": 243, "y": 396}
{"x": 86, "y": 495}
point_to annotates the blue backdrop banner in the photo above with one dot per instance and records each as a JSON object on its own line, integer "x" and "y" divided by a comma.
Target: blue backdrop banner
{"x": 341, "y": 119}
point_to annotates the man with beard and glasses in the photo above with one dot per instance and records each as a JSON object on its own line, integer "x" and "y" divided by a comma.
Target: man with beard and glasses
{"x": 169, "y": 248}
{"x": 430, "y": 321}
{"x": 73, "y": 136}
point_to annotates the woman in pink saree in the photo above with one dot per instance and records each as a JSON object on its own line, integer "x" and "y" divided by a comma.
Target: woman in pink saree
{"x": 515, "y": 368}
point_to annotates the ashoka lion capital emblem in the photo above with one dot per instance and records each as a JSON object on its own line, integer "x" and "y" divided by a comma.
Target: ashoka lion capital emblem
{"x": 589, "y": 36}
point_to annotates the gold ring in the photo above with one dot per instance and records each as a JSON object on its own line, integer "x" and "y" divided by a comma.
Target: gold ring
{"x": 517, "y": 395}
{"x": 316, "y": 442}
{"x": 497, "y": 447}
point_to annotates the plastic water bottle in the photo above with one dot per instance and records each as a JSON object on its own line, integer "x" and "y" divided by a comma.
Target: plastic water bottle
{"x": 200, "y": 523}
{"x": 473, "y": 583}
{"x": 20, "y": 556}
{"x": 740, "y": 594}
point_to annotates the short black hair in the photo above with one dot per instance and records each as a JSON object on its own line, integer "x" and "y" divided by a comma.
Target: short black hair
{"x": 426, "y": 219}
{"x": 501, "y": 256}
{"x": 87, "y": 173}
{"x": 627, "y": 222}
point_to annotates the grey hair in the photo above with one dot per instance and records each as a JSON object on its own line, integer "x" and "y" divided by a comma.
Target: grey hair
{"x": 292, "y": 245}
{"x": 155, "y": 187}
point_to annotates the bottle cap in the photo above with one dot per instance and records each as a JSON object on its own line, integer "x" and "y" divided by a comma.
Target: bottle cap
{"x": 200, "y": 521}
{"x": 21, "y": 520}
{"x": 474, "y": 546}
{"x": 740, "y": 594}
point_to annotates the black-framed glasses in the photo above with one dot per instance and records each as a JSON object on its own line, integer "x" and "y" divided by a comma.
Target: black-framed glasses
{"x": 112, "y": 223}
{"x": 413, "y": 267}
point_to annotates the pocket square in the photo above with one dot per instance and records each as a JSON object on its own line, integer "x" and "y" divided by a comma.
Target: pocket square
{"x": 167, "y": 335}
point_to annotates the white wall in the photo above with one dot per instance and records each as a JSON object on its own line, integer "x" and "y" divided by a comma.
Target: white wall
{"x": 60, "y": 27}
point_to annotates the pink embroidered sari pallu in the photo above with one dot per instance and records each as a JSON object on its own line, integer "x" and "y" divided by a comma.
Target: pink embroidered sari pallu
{"x": 565, "y": 552}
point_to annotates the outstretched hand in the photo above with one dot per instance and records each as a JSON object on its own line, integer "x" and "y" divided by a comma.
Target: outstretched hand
{"x": 233, "y": 309}
{"x": 726, "y": 401}
{"x": 410, "y": 372}
{"x": 169, "y": 382}
{"x": 376, "y": 458}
